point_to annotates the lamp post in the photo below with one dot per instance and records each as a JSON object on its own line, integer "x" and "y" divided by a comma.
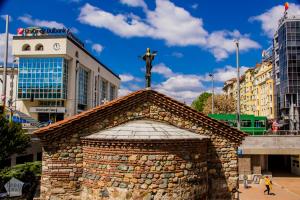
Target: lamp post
{"x": 5, "y": 63}
{"x": 212, "y": 92}
{"x": 238, "y": 85}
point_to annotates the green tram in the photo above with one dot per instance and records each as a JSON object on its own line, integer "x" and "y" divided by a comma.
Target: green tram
{"x": 253, "y": 125}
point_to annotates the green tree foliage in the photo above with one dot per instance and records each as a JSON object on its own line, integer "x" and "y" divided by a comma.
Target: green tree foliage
{"x": 29, "y": 173}
{"x": 199, "y": 102}
{"x": 12, "y": 139}
{"x": 223, "y": 104}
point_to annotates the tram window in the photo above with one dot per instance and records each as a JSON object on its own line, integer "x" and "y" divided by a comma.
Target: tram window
{"x": 246, "y": 123}
{"x": 260, "y": 123}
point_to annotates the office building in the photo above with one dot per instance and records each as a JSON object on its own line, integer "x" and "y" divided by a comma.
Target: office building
{"x": 57, "y": 76}
{"x": 286, "y": 69}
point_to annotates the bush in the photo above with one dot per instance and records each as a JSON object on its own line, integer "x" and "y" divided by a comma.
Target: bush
{"x": 29, "y": 173}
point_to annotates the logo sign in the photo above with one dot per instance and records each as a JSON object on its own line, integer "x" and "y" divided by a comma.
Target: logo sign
{"x": 47, "y": 109}
{"x": 33, "y": 31}
{"x": 14, "y": 187}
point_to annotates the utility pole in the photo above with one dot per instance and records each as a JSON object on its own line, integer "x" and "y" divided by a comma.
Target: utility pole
{"x": 5, "y": 64}
{"x": 238, "y": 85}
{"x": 212, "y": 96}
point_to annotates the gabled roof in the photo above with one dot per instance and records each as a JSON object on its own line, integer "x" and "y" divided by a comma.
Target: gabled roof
{"x": 90, "y": 117}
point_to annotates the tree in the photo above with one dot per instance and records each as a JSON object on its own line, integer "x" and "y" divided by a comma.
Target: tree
{"x": 199, "y": 102}
{"x": 222, "y": 104}
{"x": 12, "y": 139}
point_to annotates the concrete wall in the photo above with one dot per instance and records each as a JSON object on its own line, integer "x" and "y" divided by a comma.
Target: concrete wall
{"x": 271, "y": 145}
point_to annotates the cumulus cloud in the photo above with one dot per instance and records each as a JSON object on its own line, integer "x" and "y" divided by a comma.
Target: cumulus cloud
{"x": 221, "y": 43}
{"x": 27, "y": 19}
{"x": 269, "y": 19}
{"x": 126, "y": 77}
{"x": 120, "y": 24}
{"x": 97, "y": 48}
{"x": 162, "y": 69}
{"x": 134, "y": 3}
{"x": 2, "y": 47}
{"x": 168, "y": 22}
{"x": 124, "y": 91}
{"x": 226, "y": 73}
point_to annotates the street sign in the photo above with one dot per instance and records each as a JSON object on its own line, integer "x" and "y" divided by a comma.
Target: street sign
{"x": 14, "y": 187}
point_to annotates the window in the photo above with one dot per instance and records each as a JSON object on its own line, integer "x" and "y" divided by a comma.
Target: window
{"x": 76, "y": 54}
{"x": 26, "y": 47}
{"x": 112, "y": 92}
{"x": 42, "y": 78}
{"x": 103, "y": 91}
{"x": 83, "y": 86}
{"x": 39, "y": 47}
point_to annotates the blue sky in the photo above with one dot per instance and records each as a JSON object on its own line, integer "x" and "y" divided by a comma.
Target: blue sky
{"x": 193, "y": 38}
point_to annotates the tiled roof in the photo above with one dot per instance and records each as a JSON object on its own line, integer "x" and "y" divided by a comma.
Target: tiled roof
{"x": 85, "y": 119}
{"x": 145, "y": 130}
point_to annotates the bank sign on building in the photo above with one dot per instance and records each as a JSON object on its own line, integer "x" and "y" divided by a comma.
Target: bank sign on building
{"x": 57, "y": 76}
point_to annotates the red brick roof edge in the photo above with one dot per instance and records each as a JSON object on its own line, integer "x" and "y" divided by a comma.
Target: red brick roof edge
{"x": 231, "y": 132}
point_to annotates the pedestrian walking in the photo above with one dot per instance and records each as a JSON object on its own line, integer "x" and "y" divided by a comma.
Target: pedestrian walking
{"x": 268, "y": 184}
{"x": 245, "y": 181}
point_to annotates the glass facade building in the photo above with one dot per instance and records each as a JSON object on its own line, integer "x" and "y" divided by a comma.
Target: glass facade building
{"x": 287, "y": 70}
{"x": 42, "y": 78}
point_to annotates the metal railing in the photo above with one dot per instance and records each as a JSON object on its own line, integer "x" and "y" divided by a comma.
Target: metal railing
{"x": 283, "y": 132}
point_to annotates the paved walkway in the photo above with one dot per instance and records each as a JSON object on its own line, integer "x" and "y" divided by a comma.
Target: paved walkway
{"x": 284, "y": 188}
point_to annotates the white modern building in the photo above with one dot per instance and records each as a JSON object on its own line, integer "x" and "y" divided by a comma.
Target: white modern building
{"x": 57, "y": 76}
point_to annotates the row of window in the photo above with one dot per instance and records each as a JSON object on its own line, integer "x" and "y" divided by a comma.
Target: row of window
{"x": 27, "y": 47}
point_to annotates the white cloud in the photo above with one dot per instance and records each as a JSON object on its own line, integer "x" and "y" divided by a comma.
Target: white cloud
{"x": 225, "y": 73}
{"x": 168, "y": 22}
{"x": 162, "y": 69}
{"x": 2, "y": 47}
{"x": 4, "y": 18}
{"x": 27, "y": 19}
{"x": 124, "y": 91}
{"x": 177, "y": 54}
{"x": 195, "y": 6}
{"x": 269, "y": 19}
{"x": 119, "y": 24}
{"x": 126, "y": 77}
{"x": 134, "y": 3}
{"x": 97, "y": 47}
{"x": 221, "y": 43}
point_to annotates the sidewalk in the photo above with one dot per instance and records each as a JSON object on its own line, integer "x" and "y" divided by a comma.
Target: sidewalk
{"x": 284, "y": 188}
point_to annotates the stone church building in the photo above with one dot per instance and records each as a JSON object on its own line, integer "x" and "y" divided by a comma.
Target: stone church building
{"x": 141, "y": 146}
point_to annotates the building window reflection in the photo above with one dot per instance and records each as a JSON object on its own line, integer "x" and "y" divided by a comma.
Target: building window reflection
{"x": 82, "y": 88}
{"x": 42, "y": 78}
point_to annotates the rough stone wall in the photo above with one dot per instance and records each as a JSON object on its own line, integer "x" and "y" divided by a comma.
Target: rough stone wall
{"x": 145, "y": 171}
{"x": 62, "y": 155}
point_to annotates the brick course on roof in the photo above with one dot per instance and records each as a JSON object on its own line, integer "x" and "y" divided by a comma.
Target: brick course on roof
{"x": 89, "y": 117}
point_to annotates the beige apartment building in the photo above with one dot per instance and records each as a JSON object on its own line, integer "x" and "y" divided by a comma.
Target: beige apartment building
{"x": 53, "y": 77}
{"x": 256, "y": 90}
{"x": 264, "y": 91}
{"x": 58, "y": 77}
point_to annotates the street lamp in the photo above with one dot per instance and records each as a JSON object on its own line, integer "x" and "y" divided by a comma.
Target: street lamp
{"x": 212, "y": 97}
{"x": 238, "y": 85}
